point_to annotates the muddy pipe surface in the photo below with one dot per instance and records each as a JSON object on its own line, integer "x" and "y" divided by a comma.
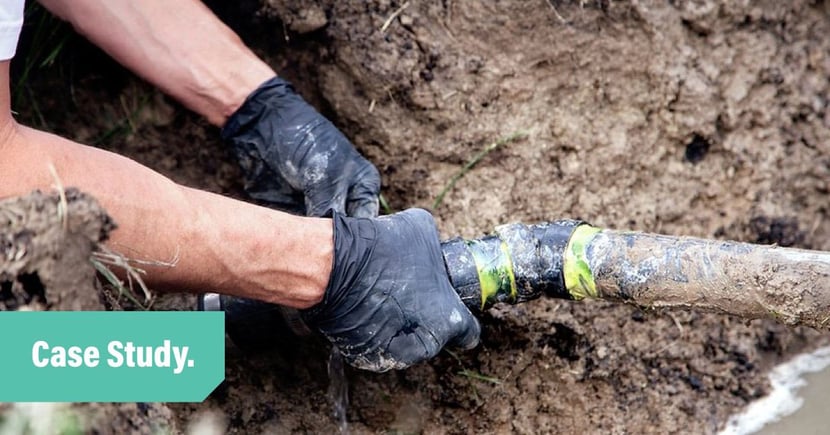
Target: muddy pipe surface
{"x": 573, "y": 260}
{"x": 750, "y": 281}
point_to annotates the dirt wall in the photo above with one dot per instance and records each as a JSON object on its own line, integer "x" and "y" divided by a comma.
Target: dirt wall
{"x": 700, "y": 118}
{"x": 705, "y": 118}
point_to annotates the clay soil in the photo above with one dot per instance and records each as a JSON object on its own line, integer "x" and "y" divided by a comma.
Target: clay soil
{"x": 705, "y": 118}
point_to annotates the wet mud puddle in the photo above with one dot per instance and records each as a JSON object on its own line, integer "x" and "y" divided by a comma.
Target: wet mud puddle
{"x": 797, "y": 403}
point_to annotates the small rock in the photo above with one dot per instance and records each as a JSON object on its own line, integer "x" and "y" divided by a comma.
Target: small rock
{"x": 308, "y": 20}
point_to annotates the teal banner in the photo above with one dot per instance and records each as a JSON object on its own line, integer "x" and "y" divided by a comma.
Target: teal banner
{"x": 111, "y": 356}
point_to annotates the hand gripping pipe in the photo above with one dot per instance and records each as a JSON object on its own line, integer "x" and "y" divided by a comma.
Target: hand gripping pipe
{"x": 570, "y": 259}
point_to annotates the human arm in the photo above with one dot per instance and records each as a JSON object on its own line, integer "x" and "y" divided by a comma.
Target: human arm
{"x": 388, "y": 303}
{"x": 220, "y": 244}
{"x": 376, "y": 288}
{"x": 178, "y": 45}
{"x": 293, "y": 157}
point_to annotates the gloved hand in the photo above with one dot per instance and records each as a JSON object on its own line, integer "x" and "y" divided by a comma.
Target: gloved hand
{"x": 389, "y": 303}
{"x": 295, "y": 159}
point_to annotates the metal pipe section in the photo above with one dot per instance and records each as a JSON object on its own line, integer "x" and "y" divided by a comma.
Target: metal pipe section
{"x": 749, "y": 281}
{"x": 573, "y": 260}
{"x": 256, "y": 325}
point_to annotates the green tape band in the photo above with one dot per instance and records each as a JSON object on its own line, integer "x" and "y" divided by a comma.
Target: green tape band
{"x": 579, "y": 280}
{"x": 495, "y": 271}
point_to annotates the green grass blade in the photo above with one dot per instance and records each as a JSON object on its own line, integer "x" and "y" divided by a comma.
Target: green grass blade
{"x": 473, "y": 162}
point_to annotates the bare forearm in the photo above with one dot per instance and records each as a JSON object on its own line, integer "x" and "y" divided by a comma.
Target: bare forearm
{"x": 178, "y": 45}
{"x": 221, "y": 244}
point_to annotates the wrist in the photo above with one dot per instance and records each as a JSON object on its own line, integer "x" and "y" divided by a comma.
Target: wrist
{"x": 259, "y": 253}
{"x": 255, "y": 107}
{"x": 314, "y": 259}
{"x": 231, "y": 94}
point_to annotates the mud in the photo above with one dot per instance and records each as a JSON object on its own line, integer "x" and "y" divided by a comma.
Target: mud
{"x": 46, "y": 242}
{"x": 703, "y": 118}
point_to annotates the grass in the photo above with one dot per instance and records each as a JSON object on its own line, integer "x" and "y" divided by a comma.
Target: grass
{"x": 392, "y": 17}
{"x": 480, "y": 377}
{"x": 127, "y": 124}
{"x": 473, "y": 375}
{"x": 49, "y": 39}
{"x": 384, "y": 205}
{"x": 47, "y": 43}
{"x": 103, "y": 267}
{"x": 105, "y": 260}
{"x": 474, "y": 161}
{"x": 63, "y": 205}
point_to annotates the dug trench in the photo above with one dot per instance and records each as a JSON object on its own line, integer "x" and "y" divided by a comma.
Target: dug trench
{"x": 701, "y": 118}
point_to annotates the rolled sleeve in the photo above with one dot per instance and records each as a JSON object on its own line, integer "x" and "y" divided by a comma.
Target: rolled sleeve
{"x": 11, "y": 21}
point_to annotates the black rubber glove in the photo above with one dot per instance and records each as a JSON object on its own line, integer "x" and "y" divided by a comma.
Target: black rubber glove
{"x": 389, "y": 303}
{"x": 295, "y": 159}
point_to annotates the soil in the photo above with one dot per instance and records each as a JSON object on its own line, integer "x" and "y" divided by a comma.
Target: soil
{"x": 45, "y": 244}
{"x": 704, "y": 118}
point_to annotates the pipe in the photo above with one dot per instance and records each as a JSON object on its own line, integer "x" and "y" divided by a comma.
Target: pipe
{"x": 648, "y": 270}
{"x": 569, "y": 259}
